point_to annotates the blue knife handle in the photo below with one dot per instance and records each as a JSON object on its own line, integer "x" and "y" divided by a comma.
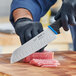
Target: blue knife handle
{"x": 55, "y": 27}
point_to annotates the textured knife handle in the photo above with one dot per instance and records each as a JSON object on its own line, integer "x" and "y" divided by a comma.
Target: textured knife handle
{"x": 56, "y": 26}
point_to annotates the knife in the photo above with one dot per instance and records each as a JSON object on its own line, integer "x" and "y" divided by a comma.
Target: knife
{"x": 37, "y": 42}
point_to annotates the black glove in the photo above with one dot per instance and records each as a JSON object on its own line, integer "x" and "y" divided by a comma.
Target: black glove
{"x": 26, "y": 29}
{"x": 67, "y": 13}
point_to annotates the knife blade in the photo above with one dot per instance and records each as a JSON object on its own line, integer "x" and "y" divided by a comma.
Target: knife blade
{"x": 37, "y": 42}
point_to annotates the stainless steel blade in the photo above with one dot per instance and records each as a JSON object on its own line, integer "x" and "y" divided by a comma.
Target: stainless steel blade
{"x": 33, "y": 45}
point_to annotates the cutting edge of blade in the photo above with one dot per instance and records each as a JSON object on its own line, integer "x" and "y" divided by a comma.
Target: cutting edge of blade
{"x": 12, "y": 60}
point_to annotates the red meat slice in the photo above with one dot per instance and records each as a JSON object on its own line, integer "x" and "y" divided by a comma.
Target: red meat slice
{"x": 48, "y": 66}
{"x": 43, "y": 62}
{"x": 39, "y": 55}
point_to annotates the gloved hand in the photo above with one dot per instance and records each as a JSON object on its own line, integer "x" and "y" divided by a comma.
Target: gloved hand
{"x": 27, "y": 29}
{"x": 67, "y": 13}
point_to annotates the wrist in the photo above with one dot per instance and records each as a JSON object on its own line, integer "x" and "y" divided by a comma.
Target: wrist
{"x": 21, "y": 13}
{"x": 20, "y": 24}
{"x": 21, "y": 20}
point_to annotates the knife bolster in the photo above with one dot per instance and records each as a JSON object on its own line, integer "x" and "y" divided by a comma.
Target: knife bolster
{"x": 52, "y": 30}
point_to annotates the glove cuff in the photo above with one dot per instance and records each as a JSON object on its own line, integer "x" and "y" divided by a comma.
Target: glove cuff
{"x": 20, "y": 20}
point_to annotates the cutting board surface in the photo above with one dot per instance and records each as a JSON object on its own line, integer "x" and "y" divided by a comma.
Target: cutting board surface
{"x": 67, "y": 67}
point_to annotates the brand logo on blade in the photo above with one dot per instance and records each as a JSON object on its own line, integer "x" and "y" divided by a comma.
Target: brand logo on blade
{"x": 40, "y": 36}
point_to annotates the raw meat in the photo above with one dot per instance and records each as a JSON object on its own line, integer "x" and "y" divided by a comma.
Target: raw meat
{"x": 42, "y": 59}
{"x": 39, "y": 55}
{"x": 41, "y": 62}
{"x": 49, "y": 66}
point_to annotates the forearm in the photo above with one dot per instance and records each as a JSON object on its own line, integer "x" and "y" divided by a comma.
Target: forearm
{"x": 20, "y": 13}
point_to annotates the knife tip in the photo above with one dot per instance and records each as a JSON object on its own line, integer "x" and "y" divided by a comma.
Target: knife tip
{"x": 11, "y": 60}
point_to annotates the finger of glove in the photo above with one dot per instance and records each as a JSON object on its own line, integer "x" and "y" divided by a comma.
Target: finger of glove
{"x": 40, "y": 29}
{"x": 71, "y": 20}
{"x": 58, "y": 15}
{"x": 75, "y": 9}
{"x": 22, "y": 39}
{"x": 28, "y": 35}
{"x": 41, "y": 50}
{"x": 34, "y": 32}
{"x": 64, "y": 21}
